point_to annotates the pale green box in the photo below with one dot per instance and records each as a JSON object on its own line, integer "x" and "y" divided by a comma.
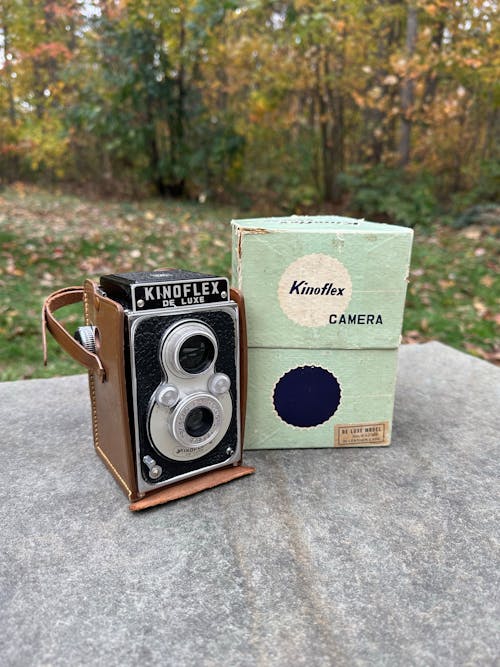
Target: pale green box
{"x": 324, "y": 300}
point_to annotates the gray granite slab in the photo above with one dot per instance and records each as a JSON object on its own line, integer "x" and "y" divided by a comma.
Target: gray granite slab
{"x": 323, "y": 557}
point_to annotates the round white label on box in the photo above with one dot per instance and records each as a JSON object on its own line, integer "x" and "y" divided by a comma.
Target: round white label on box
{"x": 313, "y": 288}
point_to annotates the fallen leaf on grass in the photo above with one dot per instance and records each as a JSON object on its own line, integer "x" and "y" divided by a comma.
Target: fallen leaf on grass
{"x": 47, "y": 280}
{"x": 11, "y": 268}
{"x": 493, "y": 356}
{"x": 492, "y": 317}
{"x": 487, "y": 280}
{"x": 94, "y": 265}
{"x": 413, "y": 336}
{"x": 480, "y": 307}
{"x": 474, "y": 234}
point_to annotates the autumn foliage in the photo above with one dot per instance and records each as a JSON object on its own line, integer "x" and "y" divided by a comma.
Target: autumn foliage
{"x": 292, "y": 103}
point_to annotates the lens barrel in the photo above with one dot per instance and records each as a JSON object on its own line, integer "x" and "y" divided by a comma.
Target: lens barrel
{"x": 190, "y": 349}
{"x": 197, "y": 419}
{"x": 196, "y": 354}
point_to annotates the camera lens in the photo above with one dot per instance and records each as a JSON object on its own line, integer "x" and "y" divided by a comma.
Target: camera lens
{"x": 196, "y": 354}
{"x": 196, "y": 425}
{"x": 199, "y": 421}
{"x": 189, "y": 349}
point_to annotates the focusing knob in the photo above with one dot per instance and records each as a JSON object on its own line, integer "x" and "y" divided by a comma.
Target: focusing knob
{"x": 86, "y": 337}
{"x": 219, "y": 384}
{"x": 167, "y": 396}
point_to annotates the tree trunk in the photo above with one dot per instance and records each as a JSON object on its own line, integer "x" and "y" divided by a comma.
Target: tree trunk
{"x": 431, "y": 80}
{"x": 331, "y": 109}
{"x": 6, "y": 46}
{"x": 408, "y": 89}
{"x": 177, "y": 187}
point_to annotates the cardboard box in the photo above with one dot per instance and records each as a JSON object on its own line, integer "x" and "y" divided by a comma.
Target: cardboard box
{"x": 324, "y": 300}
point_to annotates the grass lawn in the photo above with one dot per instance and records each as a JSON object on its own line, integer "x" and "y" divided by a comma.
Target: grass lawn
{"x": 50, "y": 241}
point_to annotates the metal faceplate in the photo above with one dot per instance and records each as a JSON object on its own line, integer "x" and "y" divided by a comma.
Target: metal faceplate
{"x": 182, "y": 293}
{"x": 155, "y": 422}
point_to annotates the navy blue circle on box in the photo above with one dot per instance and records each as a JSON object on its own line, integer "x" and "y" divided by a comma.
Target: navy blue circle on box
{"x": 306, "y": 396}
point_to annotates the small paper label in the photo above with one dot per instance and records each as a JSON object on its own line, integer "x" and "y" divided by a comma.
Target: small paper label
{"x": 361, "y": 435}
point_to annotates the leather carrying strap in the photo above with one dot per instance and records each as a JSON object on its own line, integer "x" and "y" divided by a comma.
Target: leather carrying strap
{"x": 60, "y": 299}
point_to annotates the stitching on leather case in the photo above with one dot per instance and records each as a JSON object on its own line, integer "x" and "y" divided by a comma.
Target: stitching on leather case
{"x": 94, "y": 410}
{"x": 91, "y": 377}
{"x": 115, "y": 472}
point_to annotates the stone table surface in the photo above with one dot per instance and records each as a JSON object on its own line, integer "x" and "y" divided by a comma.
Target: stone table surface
{"x": 377, "y": 556}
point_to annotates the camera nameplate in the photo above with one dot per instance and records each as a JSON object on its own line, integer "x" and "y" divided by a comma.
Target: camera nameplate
{"x": 174, "y": 295}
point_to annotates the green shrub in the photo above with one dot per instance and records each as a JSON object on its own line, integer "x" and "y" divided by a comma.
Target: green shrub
{"x": 480, "y": 214}
{"x": 391, "y": 194}
{"x": 486, "y": 188}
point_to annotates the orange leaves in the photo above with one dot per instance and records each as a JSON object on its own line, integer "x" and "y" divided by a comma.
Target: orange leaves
{"x": 431, "y": 9}
{"x": 358, "y": 99}
{"x": 59, "y": 10}
{"x": 51, "y": 50}
{"x": 10, "y": 149}
{"x": 474, "y": 63}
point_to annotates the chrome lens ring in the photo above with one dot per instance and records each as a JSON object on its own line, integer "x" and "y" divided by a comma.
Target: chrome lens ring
{"x": 178, "y": 339}
{"x": 185, "y": 408}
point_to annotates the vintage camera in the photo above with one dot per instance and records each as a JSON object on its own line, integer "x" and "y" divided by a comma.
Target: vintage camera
{"x": 167, "y": 381}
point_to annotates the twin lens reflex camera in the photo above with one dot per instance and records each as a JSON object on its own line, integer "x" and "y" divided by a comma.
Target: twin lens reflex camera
{"x": 182, "y": 372}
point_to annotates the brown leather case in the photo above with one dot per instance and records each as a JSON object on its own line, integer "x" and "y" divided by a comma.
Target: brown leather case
{"x": 110, "y": 418}
{"x": 108, "y": 392}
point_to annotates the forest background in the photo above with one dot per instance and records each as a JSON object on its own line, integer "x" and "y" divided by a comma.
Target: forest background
{"x": 129, "y": 127}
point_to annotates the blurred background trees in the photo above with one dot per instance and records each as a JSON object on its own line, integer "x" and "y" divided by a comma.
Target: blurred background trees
{"x": 389, "y": 107}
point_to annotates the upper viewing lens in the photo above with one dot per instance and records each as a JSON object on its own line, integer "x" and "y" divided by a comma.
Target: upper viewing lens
{"x": 196, "y": 354}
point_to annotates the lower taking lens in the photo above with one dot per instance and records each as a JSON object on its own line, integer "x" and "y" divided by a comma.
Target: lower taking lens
{"x": 199, "y": 421}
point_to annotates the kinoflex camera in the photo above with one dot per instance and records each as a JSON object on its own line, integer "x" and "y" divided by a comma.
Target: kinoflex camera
{"x": 166, "y": 354}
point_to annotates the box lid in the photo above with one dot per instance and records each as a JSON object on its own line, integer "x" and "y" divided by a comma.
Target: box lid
{"x": 321, "y": 281}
